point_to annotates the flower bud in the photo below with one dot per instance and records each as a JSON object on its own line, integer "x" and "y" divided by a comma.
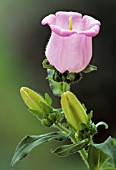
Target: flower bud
{"x": 47, "y": 122}
{"x": 73, "y": 110}
{"x": 35, "y": 102}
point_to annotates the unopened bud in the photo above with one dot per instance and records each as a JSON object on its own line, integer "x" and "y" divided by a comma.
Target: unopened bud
{"x": 35, "y": 102}
{"x": 73, "y": 110}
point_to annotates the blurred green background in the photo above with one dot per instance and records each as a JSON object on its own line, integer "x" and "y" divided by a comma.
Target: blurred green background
{"x": 22, "y": 45}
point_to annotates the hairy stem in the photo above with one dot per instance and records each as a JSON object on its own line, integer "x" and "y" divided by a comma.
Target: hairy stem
{"x": 84, "y": 155}
{"x": 82, "y": 152}
{"x": 66, "y": 131}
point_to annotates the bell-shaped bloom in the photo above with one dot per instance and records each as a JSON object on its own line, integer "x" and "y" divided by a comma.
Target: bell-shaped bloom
{"x": 73, "y": 110}
{"x": 70, "y": 44}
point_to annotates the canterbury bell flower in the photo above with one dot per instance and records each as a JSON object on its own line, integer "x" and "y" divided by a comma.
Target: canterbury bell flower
{"x": 73, "y": 110}
{"x": 70, "y": 44}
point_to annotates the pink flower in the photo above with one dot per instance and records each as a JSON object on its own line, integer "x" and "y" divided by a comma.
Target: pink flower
{"x": 70, "y": 44}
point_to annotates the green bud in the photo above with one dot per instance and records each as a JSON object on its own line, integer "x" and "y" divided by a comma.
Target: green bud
{"x": 47, "y": 122}
{"x": 36, "y": 104}
{"x": 52, "y": 117}
{"x": 73, "y": 110}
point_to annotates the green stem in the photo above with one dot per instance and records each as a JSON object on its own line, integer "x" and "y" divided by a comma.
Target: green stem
{"x": 84, "y": 156}
{"x": 62, "y": 127}
{"x": 82, "y": 152}
{"x": 65, "y": 130}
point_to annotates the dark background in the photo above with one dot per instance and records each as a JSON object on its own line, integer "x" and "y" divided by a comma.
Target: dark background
{"x": 22, "y": 45}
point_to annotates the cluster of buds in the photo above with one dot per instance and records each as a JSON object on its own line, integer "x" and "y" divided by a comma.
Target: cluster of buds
{"x": 74, "y": 112}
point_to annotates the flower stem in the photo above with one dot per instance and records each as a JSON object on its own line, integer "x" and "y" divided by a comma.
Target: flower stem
{"x": 66, "y": 131}
{"x": 62, "y": 127}
{"x": 83, "y": 155}
{"x": 82, "y": 152}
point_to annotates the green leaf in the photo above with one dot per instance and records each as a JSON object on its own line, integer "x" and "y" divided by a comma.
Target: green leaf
{"x": 66, "y": 150}
{"x": 96, "y": 158}
{"x": 108, "y": 148}
{"x": 114, "y": 141}
{"x": 59, "y": 116}
{"x": 48, "y": 99}
{"x": 89, "y": 69}
{"x": 99, "y": 153}
{"x": 30, "y": 142}
{"x": 108, "y": 166}
{"x": 58, "y": 88}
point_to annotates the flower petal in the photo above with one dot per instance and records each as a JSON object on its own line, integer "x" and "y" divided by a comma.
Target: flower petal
{"x": 90, "y": 26}
{"x": 72, "y": 53}
{"x": 50, "y": 19}
{"x": 62, "y": 18}
{"x": 61, "y": 32}
{"x": 68, "y": 14}
{"x": 92, "y": 32}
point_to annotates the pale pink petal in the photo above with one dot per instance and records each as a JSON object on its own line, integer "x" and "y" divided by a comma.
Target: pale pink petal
{"x": 60, "y": 31}
{"x": 62, "y": 18}
{"x": 50, "y": 19}
{"x": 91, "y": 32}
{"x": 88, "y": 22}
{"x": 71, "y": 53}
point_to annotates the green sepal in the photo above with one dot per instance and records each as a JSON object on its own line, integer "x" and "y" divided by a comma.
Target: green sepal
{"x": 46, "y": 110}
{"x": 86, "y": 131}
{"x": 90, "y": 115}
{"x": 48, "y": 99}
{"x": 47, "y": 65}
{"x": 36, "y": 113}
{"x": 30, "y": 142}
{"x": 66, "y": 150}
{"x": 89, "y": 69}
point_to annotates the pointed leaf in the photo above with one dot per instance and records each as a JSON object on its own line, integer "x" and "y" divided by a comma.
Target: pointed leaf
{"x": 89, "y": 69}
{"x": 48, "y": 99}
{"x": 30, "y": 142}
{"x": 66, "y": 150}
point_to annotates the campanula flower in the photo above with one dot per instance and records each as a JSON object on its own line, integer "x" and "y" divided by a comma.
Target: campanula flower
{"x": 70, "y": 44}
